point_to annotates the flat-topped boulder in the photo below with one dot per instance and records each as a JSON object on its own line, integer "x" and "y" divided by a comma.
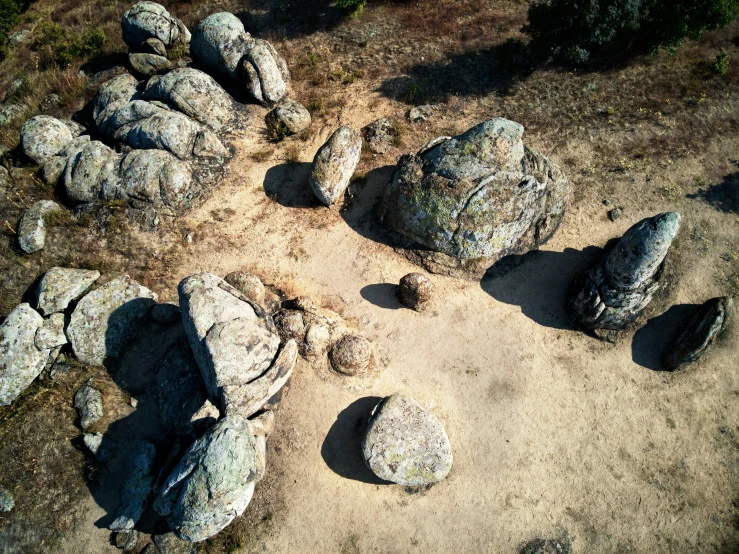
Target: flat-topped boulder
{"x": 43, "y": 136}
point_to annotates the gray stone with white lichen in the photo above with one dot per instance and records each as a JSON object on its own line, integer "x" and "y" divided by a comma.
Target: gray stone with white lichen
{"x": 32, "y": 226}
{"x": 334, "y": 164}
{"x": 20, "y": 360}
{"x": 60, "y": 285}
{"x": 89, "y": 404}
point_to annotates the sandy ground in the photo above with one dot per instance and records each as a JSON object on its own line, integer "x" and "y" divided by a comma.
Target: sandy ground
{"x": 552, "y": 431}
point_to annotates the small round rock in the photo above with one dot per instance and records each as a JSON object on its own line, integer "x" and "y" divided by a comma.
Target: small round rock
{"x": 247, "y": 284}
{"x": 352, "y": 355}
{"x": 416, "y": 291}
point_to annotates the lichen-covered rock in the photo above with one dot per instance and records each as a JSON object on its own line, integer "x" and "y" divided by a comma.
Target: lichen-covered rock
{"x": 127, "y": 540}
{"x": 613, "y": 293}
{"x": 7, "y": 502}
{"x": 482, "y": 194}
{"x": 60, "y": 285}
{"x": 265, "y": 73}
{"x": 32, "y": 227}
{"x": 352, "y": 355}
{"x": 169, "y": 543}
{"x": 213, "y": 483}
{"x": 219, "y": 42}
{"x": 247, "y": 284}
{"x": 51, "y": 333}
{"x": 20, "y": 361}
{"x": 694, "y": 340}
{"x": 378, "y": 135}
{"x": 194, "y": 93}
{"x": 89, "y": 170}
{"x": 288, "y": 118}
{"x": 112, "y": 95}
{"x": 166, "y": 313}
{"x": 43, "y": 136}
{"x": 415, "y": 291}
{"x": 107, "y": 318}
{"x": 334, "y": 164}
{"x": 418, "y": 114}
{"x": 148, "y": 64}
{"x": 136, "y": 488}
{"x": 147, "y": 20}
{"x": 406, "y": 444}
{"x": 153, "y": 177}
{"x": 89, "y": 403}
{"x": 153, "y": 46}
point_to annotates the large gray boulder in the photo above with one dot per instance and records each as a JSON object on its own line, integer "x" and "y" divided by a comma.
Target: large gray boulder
{"x": 107, "y": 318}
{"x": 194, "y": 93}
{"x": 219, "y": 42}
{"x": 147, "y": 20}
{"x": 61, "y": 285}
{"x": 406, "y": 444}
{"x": 701, "y": 331}
{"x": 136, "y": 488}
{"x": 482, "y": 194}
{"x": 334, "y": 164}
{"x": 111, "y": 95}
{"x": 43, "y": 136}
{"x": 213, "y": 483}
{"x": 613, "y": 293}
{"x": 90, "y": 169}
{"x": 265, "y": 73}
{"x": 32, "y": 226}
{"x": 153, "y": 177}
{"x": 20, "y": 361}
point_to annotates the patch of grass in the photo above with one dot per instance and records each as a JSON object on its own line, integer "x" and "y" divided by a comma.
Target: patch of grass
{"x": 261, "y": 155}
{"x": 721, "y": 65}
{"x": 292, "y": 154}
{"x": 397, "y": 133}
{"x": 178, "y": 52}
{"x": 345, "y": 77}
{"x": 60, "y": 47}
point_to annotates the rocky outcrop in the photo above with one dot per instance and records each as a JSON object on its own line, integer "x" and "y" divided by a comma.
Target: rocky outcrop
{"x": 213, "y": 483}
{"x": 89, "y": 404}
{"x": 415, "y": 291}
{"x": 288, "y": 118}
{"x": 265, "y": 73}
{"x": 59, "y": 286}
{"x": 32, "y": 227}
{"x": 480, "y": 196}
{"x": 701, "y": 331}
{"x": 334, "y": 164}
{"x": 43, "y": 136}
{"x": 107, "y": 318}
{"x": 154, "y": 178}
{"x": 149, "y": 20}
{"x": 612, "y": 294}
{"x": 147, "y": 64}
{"x": 20, "y": 360}
{"x": 406, "y": 444}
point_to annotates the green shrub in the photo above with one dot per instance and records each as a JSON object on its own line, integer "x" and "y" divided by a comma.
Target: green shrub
{"x": 572, "y": 31}
{"x": 61, "y": 47}
{"x": 9, "y": 12}
{"x": 721, "y": 65}
{"x": 354, "y": 7}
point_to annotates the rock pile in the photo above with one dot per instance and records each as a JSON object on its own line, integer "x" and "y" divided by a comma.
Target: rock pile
{"x": 614, "y": 293}
{"x": 475, "y": 198}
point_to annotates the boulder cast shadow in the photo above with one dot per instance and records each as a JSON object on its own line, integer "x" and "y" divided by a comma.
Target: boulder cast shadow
{"x": 266, "y": 19}
{"x": 383, "y": 295}
{"x": 361, "y": 202}
{"x": 723, "y": 196}
{"x": 287, "y": 184}
{"x": 341, "y": 449}
{"x": 650, "y": 342}
{"x": 539, "y": 282}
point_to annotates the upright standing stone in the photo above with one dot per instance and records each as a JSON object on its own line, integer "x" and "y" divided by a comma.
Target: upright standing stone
{"x": 334, "y": 164}
{"x": 20, "y": 361}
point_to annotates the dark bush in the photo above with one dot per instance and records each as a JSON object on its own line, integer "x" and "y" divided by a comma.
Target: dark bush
{"x": 575, "y": 30}
{"x": 9, "y": 12}
{"x": 61, "y": 47}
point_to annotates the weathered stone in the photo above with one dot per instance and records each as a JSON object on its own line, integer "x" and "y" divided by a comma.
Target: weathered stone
{"x": 265, "y": 73}
{"x": 378, "y": 135}
{"x": 334, "y": 164}
{"x": 14, "y": 39}
{"x": 288, "y": 118}
{"x": 213, "y": 483}
{"x": 418, "y": 114}
{"x": 247, "y": 399}
{"x": 547, "y": 546}
{"x": 43, "y": 136}
{"x": 701, "y": 331}
{"x": 169, "y": 543}
{"x": 352, "y": 355}
{"x": 148, "y": 64}
{"x": 151, "y": 20}
{"x": 89, "y": 403}
{"x": 59, "y": 286}
{"x": 153, "y": 46}
{"x": 614, "y": 292}
{"x": 317, "y": 338}
{"x": 219, "y": 42}
{"x": 112, "y": 95}
{"x": 127, "y": 540}
{"x": 247, "y": 284}
{"x": 194, "y": 93}
{"x": 107, "y": 318}
{"x": 12, "y": 112}
{"x": 20, "y": 361}
{"x": 290, "y": 325}
{"x": 100, "y": 446}
{"x": 51, "y": 333}
{"x": 615, "y": 213}
{"x": 91, "y": 169}
{"x": 406, "y": 444}
{"x": 53, "y": 168}
{"x": 136, "y": 488}
{"x": 50, "y": 101}
{"x": 166, "y": 313}
{"x": 54, "y": 354}
{"x": 206, "y": 416}
{"x": 415, "y": 291}
{"x": 32, "y": 227}
{"x": 7, "y": 502}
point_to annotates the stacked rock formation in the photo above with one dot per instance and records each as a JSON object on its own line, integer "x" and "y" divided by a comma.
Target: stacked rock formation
{"x": 613, "y": 294}
{"x": 476, "y": 197}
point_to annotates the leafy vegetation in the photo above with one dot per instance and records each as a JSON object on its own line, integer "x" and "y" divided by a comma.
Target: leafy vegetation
{"x": 354, "y": 7}
{"x": 9, "y": 12}
{"x": 60, "y": 47}
{"x": 574, "y": 31}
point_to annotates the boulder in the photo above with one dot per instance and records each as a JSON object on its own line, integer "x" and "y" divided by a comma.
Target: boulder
{"x": 51, "y": 333}
{"x": 694, "y": 340}
{"x": 147, "y": 20}
{"x": 11, "y": 112}
{"x": 406, "y": 444}
{"x": 247, "y": 284}
{"x": 148, "y": 64}
{"x": 53, "y": 168}
{"x": 613, "y": 293}
{"x": 419, "y": 114}
{"x": 91, "y": 169}
{"x": 334, "y": 164}
{"x": 352, "y": 355}
{"x": 213, "y": 483}
{"x": 7, "y": 502}
{"x": 219, "y": 42}
{"x": 107, "y": 318}
{"x": 166, "y": 313}
{"x": 153, "y": 177}
{"x": 43, "y": 136}
{"x": 265, "y": 73}
{"x": 288, "y": 118}
{"x": 153, "y": 46}
{"x": 127, "y": 540}
{"x": 415, "y": 291}
{"x": 112, "y": 95}
{"x": 194, "y": 93}
{"x": 136, "y": 488}
{"x": 89, "y": 403}
{"x": 378, "y": 135}
{"x": 60, "y": 285}
{"x": 169, "y": 543}
{"x": 20, "y": 361}
{"x": 32, "y": 227}
{"x": 482, "y": 194}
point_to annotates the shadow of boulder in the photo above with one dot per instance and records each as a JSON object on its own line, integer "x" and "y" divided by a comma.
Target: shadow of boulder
{"x": 287, "y": 184}
{"x": 360, "y": 207}
{"x": 651, "y": 341}
{"x": 723, "y": 196}
{"x": 383, "y": 295}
